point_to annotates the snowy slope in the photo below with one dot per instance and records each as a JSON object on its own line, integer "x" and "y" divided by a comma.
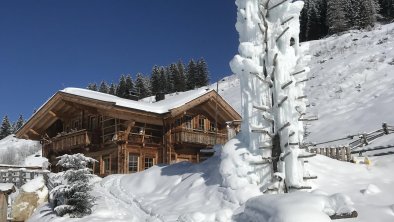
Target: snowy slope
{"x": 351, "y": 89}
{"x": 15, "y": 151}
{"x": 352, "y": 81}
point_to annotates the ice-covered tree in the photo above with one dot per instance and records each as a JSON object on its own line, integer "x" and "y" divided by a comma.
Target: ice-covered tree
{"x": 72, "y": 196}
{"x": 272, "y": 74}
{"x": 6, "y": 128}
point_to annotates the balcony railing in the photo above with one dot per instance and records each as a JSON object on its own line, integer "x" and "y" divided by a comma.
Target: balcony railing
{"x": 78, "y": 139}
{"x": 198, "y": 137}
{"x": 139, "y": 139}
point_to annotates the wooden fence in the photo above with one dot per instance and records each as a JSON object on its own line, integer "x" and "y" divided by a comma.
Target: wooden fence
{"x": 366, "y": 138}
{"x": 339, "y": 153}
{"x": 344, "y": 153}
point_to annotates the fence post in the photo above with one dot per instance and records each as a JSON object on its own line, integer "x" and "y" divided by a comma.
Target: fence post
{"x": 20, "y": 178}
{"x": 10, "y": 176}
{"x": 338, "y": 157}
{"x": 333, "y": 153}
{"x": 343, "y": 153}
{"x": 348, "y": 154}
{"x": 2, "y": 177}
{"x": 385, "y": 128}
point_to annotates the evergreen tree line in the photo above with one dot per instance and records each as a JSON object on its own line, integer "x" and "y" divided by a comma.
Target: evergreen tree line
{"x": 176, "y": 77}
{"x": 7, "y": 127}
{"x": 325, "y": 17}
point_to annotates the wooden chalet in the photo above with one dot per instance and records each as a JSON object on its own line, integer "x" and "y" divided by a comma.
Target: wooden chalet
{"x": 127, "y": 136}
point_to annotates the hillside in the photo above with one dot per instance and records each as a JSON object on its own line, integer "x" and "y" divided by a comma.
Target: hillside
{"x": 350, "y": 89}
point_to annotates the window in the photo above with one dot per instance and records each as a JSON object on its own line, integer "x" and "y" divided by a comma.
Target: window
{"x": 212, "y": 127}
{"x": 201, "y": 124}
{"x": 106, "y": 163}
{"x": 92, "y": 122}
{"x": 188, "y": 122}
{"x": 178, "y": 122}
{"x": 96, "y": 168}
{"x": 149, "y": 162}
{"x": 76, "y": 124}
{"x": 133, "y": 163}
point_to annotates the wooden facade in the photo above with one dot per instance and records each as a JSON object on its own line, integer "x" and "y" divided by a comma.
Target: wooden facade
{"x": 128, "y": 140}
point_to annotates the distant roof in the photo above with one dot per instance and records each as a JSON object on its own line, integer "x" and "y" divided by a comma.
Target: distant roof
{"x": 160, "y": 107}
{"x": 7, "y": 188}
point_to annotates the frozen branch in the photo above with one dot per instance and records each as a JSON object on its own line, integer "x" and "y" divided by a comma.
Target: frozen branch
{"x": 299, "y": 72}
{"x": 287, "y": 84}
{"x": 287, "y": 20}
{"x": 281, "y": 34}
{"x": 276, "y": 5}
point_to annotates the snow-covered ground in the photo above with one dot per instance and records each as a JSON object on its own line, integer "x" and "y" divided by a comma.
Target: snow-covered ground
{"x": 352, "y": 81}
{"x": 351, "y": 90}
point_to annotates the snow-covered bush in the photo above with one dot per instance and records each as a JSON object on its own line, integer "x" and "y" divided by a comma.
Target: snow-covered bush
{"x": 72, "y": 196}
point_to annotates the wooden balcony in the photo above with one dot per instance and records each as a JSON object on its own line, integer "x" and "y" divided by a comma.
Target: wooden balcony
{"x": 141, "y": 139}
{"x": 198, "y": 137}
{"x": 69, "y": 141}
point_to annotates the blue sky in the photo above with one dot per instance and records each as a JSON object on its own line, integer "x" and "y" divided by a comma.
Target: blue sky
{"x": 47, "y": 45}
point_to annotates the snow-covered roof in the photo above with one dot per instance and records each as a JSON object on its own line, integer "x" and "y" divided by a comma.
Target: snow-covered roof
{"x": 7, "y": 187}
{"x": 159, "y": 107}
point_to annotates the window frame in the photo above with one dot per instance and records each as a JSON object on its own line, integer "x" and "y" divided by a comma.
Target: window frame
{"x": 152, "y": 162}
{"x": 188, "y": 122}
{"x": 135, "y": 165}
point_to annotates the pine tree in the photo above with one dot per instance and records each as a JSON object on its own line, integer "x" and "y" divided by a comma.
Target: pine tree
{"x": 92, "y": 86}
{"x": 103, "y": 87}
{"x": 121, "y": 90}
{"x": 163, "y": 80}
{"x": 147, "y": 84}
{"x": 140, "y": 86}
{"x": 155, "y": 80}
{"x": 180, "y": 83}
{"x": 364, "y": 13}
{"x": 18, "y": 124}
{"x": 169, "y": 74}
{"x": 129, "y": 87}
{"x": 5, "y": 129}
{"x": 191, "y": 75}
{"x": 387, "y": 9}
{"x": 112, "y": 89}
{"x": 202, "y": 75}
{"x": 313, "y": 20}
{"x": 72, "y": 196}
{"x": 337, "y": 16}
